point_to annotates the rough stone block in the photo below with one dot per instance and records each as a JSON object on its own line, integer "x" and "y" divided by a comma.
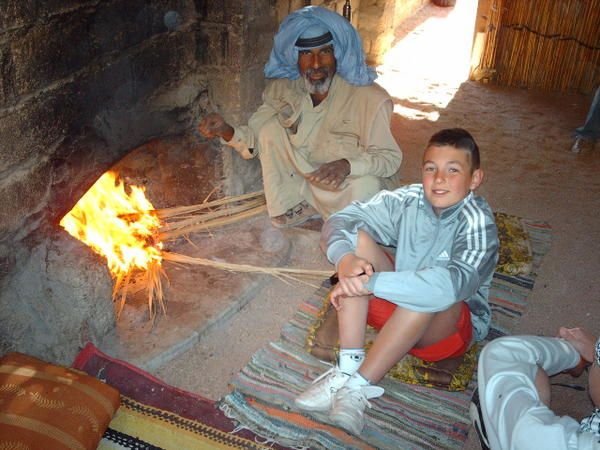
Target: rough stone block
{"x": 17, "y": 13}
{"x": 59, "y": 299}
{"x": 215, "y": 46}
{"x": 224, "y": 89}
{"x": 40, "y": 56}
{"x": 55, "y": 48}
{"x": 30, "y": 130}
{"x": 7, "y": 84}
{"x": 259, "y": 41}
{"x": 120, "y": 25}
{"x": 252, "y": 84}
{"x": 219, "y": 11}
{"x": 25, "y": 193}
{"x": 282, "y": 9}
{"x": 128, "y": 82}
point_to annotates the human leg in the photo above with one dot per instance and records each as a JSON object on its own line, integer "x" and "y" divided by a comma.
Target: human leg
{"x": 513, "y": 410}
{"x": 282, "y": 181}
{"x": 404, "y": 330}
{"x": 352, "y": 317}
{"x": 351, "y": 325}
{"x": 590, "y": 131}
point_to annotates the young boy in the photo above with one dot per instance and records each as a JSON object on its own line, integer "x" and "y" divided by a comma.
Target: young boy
{"x": 432, "y": 301}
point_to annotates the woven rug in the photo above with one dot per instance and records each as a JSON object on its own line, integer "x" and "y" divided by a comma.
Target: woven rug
{"x": 407, "y": 416}
{"x": 154, "y": 415}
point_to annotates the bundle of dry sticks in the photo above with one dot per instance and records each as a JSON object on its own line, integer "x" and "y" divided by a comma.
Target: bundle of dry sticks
{"x": 180, "y": 222}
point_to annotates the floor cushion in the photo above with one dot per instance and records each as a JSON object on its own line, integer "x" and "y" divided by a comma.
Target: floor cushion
{"x": 45, "y": 406}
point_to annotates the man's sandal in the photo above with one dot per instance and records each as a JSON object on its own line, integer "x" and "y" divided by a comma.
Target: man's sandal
{"x": 295, "y": 216}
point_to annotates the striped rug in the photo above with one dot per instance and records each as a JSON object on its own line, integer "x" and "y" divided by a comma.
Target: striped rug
{"x": 406, "y": 417}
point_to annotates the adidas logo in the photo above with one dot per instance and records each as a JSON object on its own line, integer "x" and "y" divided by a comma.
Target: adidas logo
{"x": 444, "y": 256}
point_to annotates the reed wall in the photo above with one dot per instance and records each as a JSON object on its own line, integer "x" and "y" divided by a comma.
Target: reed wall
{"x": 551, "y": 45}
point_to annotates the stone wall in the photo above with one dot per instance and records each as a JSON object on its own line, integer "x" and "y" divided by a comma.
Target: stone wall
{"x": 284, "y": 7}
{"x": 82, "y": 83}
{"x": 379, "y": 19}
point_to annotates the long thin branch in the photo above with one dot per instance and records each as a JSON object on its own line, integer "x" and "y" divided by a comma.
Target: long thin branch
{"x": 205, "y": 217}
{"x": 178, "y": 210}
{"x": 204, "y": 226}
{"x": 275, "y": 271}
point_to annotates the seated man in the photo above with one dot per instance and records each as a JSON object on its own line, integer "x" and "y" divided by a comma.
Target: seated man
{"x": 432, "y": 296}
{"x": 322, "y": 133}
{"x": 511, "y": 407}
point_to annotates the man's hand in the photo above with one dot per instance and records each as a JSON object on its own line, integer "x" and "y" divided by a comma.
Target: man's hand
{"x": 213, "y": 125}
{"x": 353, "y": 273}
{"x": 330, "y": 175}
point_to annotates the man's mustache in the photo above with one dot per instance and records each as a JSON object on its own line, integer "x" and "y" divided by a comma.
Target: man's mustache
{"x": 322, "y": 70}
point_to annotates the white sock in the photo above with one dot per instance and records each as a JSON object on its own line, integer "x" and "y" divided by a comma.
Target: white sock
{"x": 357, "y": 380}
{"x": 351, "y": 359}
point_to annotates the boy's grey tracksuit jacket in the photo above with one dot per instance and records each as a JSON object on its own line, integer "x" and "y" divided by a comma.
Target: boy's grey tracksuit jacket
{"x": 439, "y": 260}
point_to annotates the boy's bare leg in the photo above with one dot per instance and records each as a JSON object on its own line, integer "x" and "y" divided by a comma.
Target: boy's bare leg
{"x": 404, "y": 330}
{"x": 352, "y": 317}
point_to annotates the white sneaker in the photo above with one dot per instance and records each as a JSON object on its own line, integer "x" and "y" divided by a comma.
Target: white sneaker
{"x": 319, "y": 397}
{"x": 349, "y": 407}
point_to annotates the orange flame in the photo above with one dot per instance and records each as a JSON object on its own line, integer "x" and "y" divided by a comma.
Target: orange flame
{"x": 116, "y": 225}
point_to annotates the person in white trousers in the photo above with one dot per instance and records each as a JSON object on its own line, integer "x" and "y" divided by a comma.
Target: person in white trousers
{"x": 514, "y": 392}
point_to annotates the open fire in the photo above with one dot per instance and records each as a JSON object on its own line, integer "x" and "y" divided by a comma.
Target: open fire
{"x": 120, "y": 224}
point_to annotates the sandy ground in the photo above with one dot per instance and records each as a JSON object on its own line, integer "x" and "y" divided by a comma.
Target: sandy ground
{"x": 525, "y": 138}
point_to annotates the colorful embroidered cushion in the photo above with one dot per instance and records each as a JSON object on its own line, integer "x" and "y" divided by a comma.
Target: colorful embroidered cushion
{"x": 43, "y": 406}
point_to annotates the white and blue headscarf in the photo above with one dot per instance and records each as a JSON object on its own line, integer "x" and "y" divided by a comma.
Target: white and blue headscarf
{"x": 347, "y": 46}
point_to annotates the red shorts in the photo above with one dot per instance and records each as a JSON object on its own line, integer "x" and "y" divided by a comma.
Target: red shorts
{"x": 454, "y": 345}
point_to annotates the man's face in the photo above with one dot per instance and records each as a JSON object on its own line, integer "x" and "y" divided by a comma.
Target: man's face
{"x": 447, "y": 176}
{"x": 317, "y": 66}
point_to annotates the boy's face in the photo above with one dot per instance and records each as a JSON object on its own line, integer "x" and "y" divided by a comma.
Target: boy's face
{"x": 447, "y": 177}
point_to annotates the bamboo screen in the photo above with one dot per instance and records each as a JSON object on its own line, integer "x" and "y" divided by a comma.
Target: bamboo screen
{"x": 551, "y": 45}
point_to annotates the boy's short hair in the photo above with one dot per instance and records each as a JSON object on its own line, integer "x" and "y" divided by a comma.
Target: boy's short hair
{"x": 457, "y": 138}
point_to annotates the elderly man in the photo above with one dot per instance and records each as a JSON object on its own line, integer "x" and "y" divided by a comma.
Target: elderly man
{"x": 322, "y": 133}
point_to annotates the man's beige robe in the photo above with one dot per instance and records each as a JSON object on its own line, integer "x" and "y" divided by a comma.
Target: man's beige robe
{"x": 293, "y": 138}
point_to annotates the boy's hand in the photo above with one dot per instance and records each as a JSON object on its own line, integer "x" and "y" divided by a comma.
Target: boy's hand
{"x": 353, "y": 273}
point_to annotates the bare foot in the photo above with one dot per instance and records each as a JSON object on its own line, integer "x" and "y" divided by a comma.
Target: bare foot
{"x": 581, "y": 339}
